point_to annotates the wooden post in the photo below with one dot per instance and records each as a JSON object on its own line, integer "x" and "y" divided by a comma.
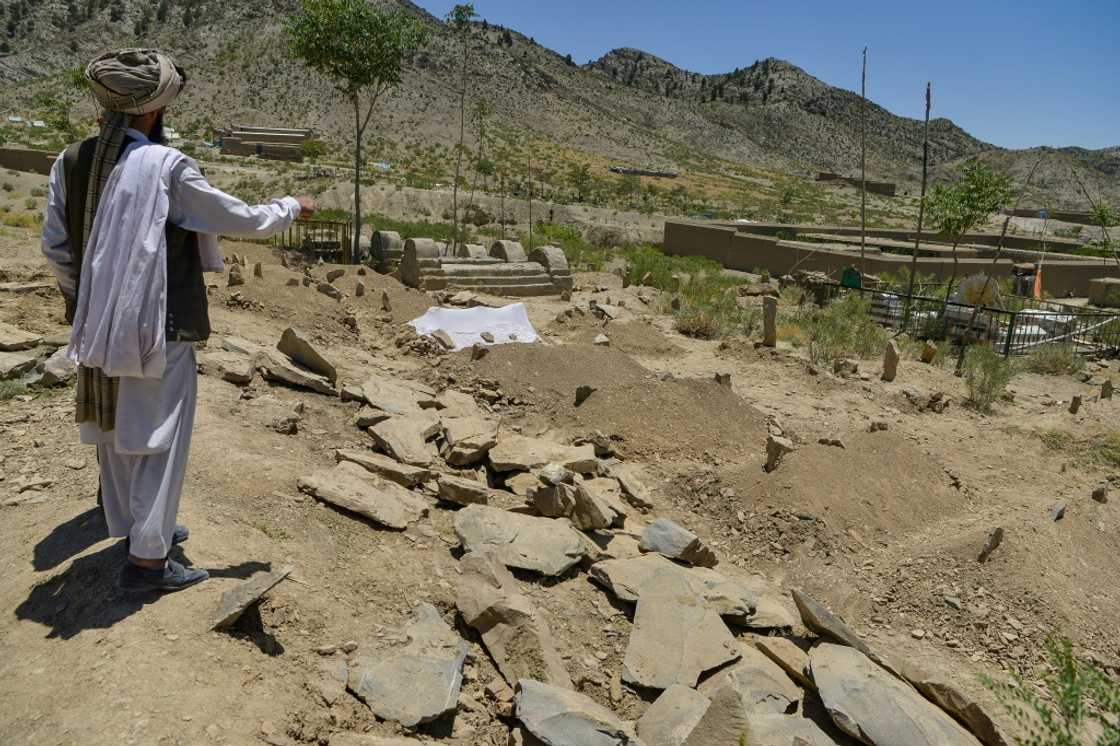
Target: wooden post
{"x": 863, "y": 170}
{"x": 921, "y": 208}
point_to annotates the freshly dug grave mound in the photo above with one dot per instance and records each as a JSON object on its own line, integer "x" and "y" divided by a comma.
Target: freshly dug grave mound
{"x": 689, "y": 419}
{"x": 632, "y": 337}
{"x": 877, "y": 481}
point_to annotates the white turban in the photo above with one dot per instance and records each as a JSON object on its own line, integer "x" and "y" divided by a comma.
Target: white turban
{"x": 135, "y": 81}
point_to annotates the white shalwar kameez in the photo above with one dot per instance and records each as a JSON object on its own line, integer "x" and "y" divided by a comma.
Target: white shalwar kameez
{"x": 119, "y": 324}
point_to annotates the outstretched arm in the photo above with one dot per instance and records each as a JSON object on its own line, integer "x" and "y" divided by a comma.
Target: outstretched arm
{"x": 197, "y": 206}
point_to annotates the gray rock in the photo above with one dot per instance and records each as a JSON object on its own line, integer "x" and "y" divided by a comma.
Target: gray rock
{"x": 418, "y": 683}
{"x": 583, "y": 393}
{"x": 1058, "y": 511}
{"x": 14, "y": 365}
{"x": 723, "y": 723}
{"x": 404, "y": 438}
{"x": 561, "y": 717}
{"x": 14, "y": 339}
{"x": 672, "y": 716}
{"x": 633, "y": 484}
{"x": 329, "y": 290}
{"x": 676, "y": 542}
{"x": 334, "y": 274}
{"x": 676, "y": 637}
{"x": 929, "y": 352}
{"x": 588, "y": 507}
{"x": 515, "y": 634}
{"x": 776, "y": 449}
{"x": 868, "y": 703}
{"x": 891, "y": 357}
{"x": 463, "y": 491}
{"x": 235, "y": 601}
{"x": 384, "y": 466}
{"x": 470, "y": 438}
{"x": 368, "y": 739}
{"x": 359, "y": 289}
{"x": 58, "y": 370}
{"x": 790, "y": 658}
{"x": 231, "y": 367}
{"x": 824, "y": 623}
{"x": 602, "y": 340}
{"x": 544, "y": 545}
{"x": 956, "y": 703}
{"x": 394, "y": 396}
{"x": 1075, "y": 404}
{"x": 276, "y": 368}
{"x": 784, "y": 730}
{"x": 296, "y": 345}
{"x": 258, "y": 271}
{"x": 351, "y": 487}
{"x": 760, "y": 683}
{"x": 518, "y": 453}
{"x": 1100, "y": 492}
{"x": 444, "y": 339}
{"x": 1106, "y": 389}
{"x": 235, "y": 277}
{"x": 770, "y": 321}
{"x": 386, "y": 304}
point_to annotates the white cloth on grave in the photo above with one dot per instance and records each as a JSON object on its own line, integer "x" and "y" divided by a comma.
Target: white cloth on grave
{"x": 508, "y": 324}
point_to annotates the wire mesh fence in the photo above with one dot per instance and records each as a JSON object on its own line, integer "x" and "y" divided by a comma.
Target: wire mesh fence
{"x": 328, "y": 240}
{"x": 1024, "y": 325}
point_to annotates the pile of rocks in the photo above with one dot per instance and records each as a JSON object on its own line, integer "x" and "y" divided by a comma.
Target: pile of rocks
{"x": 34, "y": 360}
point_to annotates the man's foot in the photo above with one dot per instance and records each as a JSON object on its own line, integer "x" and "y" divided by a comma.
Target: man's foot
{"x": 178, "y": 536}
{"x": 170, "y": 577}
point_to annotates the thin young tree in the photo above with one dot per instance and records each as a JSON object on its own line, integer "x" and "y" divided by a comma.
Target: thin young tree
{"x": 480, "y": 112}
{"x": 959, "y": 208}
{"x": 362, "y": 49}
{"x": 459, "y": 19}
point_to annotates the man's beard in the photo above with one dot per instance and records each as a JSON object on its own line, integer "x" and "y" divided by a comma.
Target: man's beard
{"x": 156, "y": 135}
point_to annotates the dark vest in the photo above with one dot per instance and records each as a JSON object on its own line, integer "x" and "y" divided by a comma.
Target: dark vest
{"x": 188, "y": 318}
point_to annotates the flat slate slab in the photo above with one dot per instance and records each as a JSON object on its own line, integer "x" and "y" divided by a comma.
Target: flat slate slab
{"x": 674, "y": 541}
{"x": 470, "y": 438}
{"x": 761, "y": 684}
{"x": 237, "y": 600}
{"x": 518, "y": 453}
{"x": 676, "y": 638}
{"x": 561, "y": 717}
{"x": 405, "y": 475}
{"x": 277, "y": 368}
{"x": 785, "y": 729}
{"x": 351, "y": 487}
{"x": 14, "y": 365}
{"x": 13, "y": 339}
{"x": 418, "y": 683}
{"x": 392, "y": 396}
{"x": 463, "y": 491}
{"x": 295, "y": 344}
{"x": 231, "y": 367}
{"x": 672, "y": 716}
{"x": 405, "y": 438}
{"x": 544, "y": 545}
{"x": 870, "y": 704}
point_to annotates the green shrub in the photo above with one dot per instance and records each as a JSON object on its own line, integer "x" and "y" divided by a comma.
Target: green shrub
{"x": 1106, "y": 449}
{"x": 696, "y": 322}
{"x": 1054, "y": 360}
{"x": 843, "y": 328}
{"x": 11, "y": 389}
{"x": 986, "y": 373}
{"x": 581, "y": 253}
{"x": 1072, "y": 695}
{"x": 8, "y": 186}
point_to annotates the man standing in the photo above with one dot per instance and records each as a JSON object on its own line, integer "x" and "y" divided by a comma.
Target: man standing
{"x": 130, "y": 226}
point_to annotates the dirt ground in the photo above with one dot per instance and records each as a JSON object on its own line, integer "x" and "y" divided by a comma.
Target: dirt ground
{"x": 884, "y": 529}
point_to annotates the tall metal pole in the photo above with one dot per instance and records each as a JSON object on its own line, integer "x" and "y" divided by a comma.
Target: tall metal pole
{"x": 530, "y": 246}
{"x": 863, "y": 170}
{"x": 921, "y": 209}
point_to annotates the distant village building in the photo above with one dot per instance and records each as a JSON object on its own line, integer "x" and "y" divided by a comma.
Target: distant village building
{"x": 273, "y": 143}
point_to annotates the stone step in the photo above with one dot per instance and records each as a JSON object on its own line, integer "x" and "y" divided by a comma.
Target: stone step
{"x": 515, "y": 269}
{"x": 515, "y": 291}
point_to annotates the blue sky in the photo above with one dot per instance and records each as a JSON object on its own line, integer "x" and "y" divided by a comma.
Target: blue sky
{"x": 1015, "y": 74}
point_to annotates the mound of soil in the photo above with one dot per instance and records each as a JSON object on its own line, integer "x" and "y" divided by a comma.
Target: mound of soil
{"x": 687, "y": 419}
{"x": 632, "y": 337}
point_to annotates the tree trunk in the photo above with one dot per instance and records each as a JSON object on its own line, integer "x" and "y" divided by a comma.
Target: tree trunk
{"x": 462, "y": 138}
{"x": 356, "y": 244}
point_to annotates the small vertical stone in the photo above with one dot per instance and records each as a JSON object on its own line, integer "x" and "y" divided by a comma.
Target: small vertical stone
{"x": 359, "y": 289}
{"x": 258, "y": 271}
{"x": 386, "y": 305}
{"x": 1075, "y": 404}
{"x": 770, "y": 321}
{"x": 1106, "y": 389}
{"x": 890, "y": 361}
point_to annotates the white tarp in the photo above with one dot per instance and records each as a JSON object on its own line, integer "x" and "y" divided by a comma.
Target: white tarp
{"x": 466, "y": 325}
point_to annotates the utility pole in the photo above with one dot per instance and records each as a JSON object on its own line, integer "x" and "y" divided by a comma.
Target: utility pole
{"x": 863, "y": 170}
{"x": 921, "y": 210}
{"x": 530, "y": 246}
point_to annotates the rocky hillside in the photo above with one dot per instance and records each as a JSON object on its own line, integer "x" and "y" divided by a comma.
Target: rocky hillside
{"x": 626, "y": 107}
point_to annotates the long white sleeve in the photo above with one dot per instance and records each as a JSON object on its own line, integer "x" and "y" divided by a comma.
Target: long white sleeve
{"x": 197, "y": 206}
{"x": 56, "y": 236}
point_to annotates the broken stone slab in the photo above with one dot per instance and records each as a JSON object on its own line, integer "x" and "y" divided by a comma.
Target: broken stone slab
{"x": 386, "y": 303}
{"x": 1106, "y": 389}
{"x": 392, "y": 396}
{"x": 870, "y": 704}
{"x": 953, "y": 701}
{"x": 583, "y": 393}
{"x": 231, "y": 367}
{"x": 672, "y": 716}
{"x": 791, "y": 730}
{"x": 1100, "y": 492}
{"x": 14, "y": 339}
{"x": 443, "y": 338}
{"x": 296, "y": 345}
{"x": 235, "y": 601}
{"x": 929, "y": 352}
{"x": 405, "y": 475}
{"x": 633, "y": 484}
{"x": 776, "y": 449}
{"x": 515, "y": 634}
{"x": 1058, "y": 511}
{"x": 463, "y": 491}
{"x": 470, "y": 438}
{"x": 334, "y": 274}
{"x": 891, "y": 358}
{"x": 1075, "y": 404}
{"x": 724, "y": 722}
{"x": 789, "y": 657}
{"x": 368, "y": 739}
{"x": 519, "y": 453}
{"x": 824, "y": 623}
{"x": 770, "y": 321}
{"x": 58, "y": 369}
{"x": 561, "y": 717}
{"x": 674, "y": 541}
{"x": 676, "y": 637}
{"x": 14, "y": 365}
{"x": 544, "y": 545}
{"x": 760, "y": 683}
{"x": 359, "y": 289}
{"x": 352, "y": 488}
{"x": 235, "y": 277}
{"x": 276, "y": 368}
{"x": 25, "y": 287}
{"x": 258, "y": 271}
{"x": 625, "y": 578}
{"x": 602, "y": 341}
{"x": 241, "y": 346}
{"x": 588, "y": 508}
{"x": 613, "y": 545}
{"x": 420, "y": 682}
{"x": 329, "y": 290}
{"x": 405, "y": 438}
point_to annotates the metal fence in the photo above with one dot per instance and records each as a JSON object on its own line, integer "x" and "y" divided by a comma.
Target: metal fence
{"x": 1024, "y": 326}
{"x": 319, "y": 239}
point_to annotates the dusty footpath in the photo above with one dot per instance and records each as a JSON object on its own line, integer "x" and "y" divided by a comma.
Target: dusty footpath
{"x": 468, "y": 597}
